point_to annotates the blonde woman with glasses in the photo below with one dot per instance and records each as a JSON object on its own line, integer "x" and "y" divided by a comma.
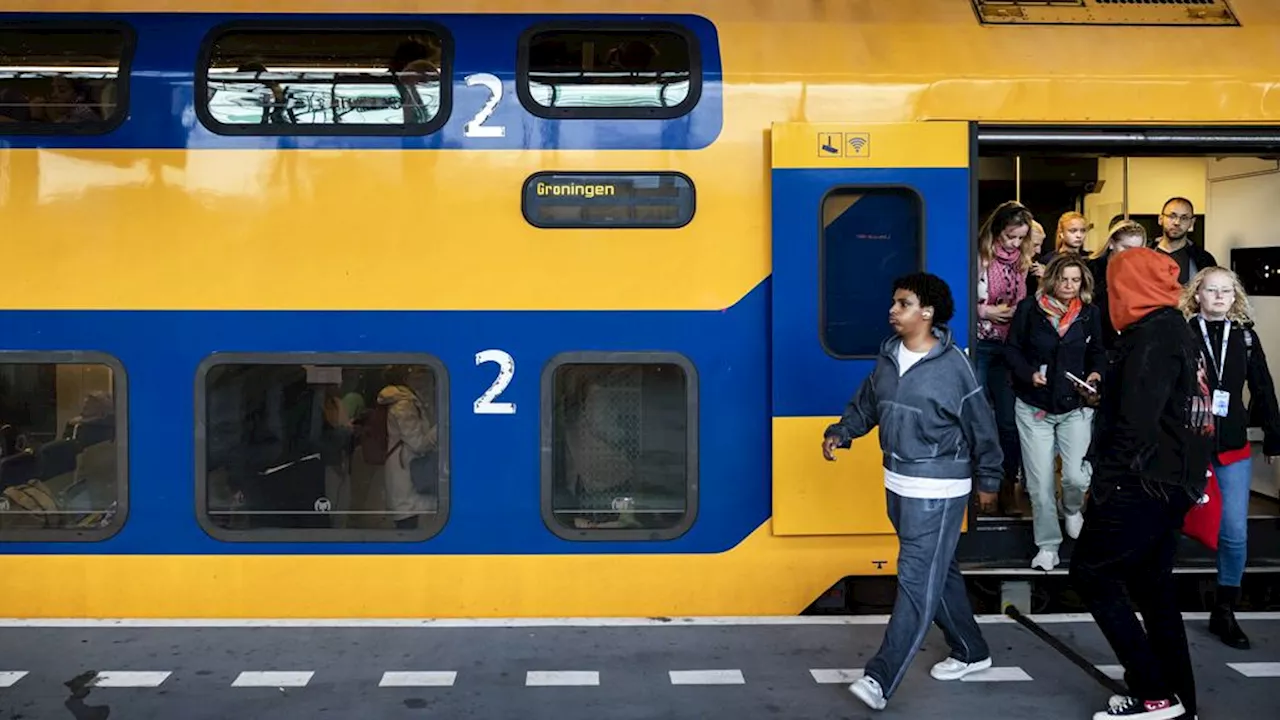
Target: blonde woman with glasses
{"x": 1221, "y": 319}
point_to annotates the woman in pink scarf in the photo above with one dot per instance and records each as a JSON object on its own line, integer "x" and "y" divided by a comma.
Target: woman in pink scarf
{"x": 1004, "y": 254}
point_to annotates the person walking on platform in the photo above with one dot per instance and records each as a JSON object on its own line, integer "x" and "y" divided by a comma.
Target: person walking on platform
{"x": 937, "y": 435}
{"x": 1222, "y": 320}
{"x": 1153, "y": 440}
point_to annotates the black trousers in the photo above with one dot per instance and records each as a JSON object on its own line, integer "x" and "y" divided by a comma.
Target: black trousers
{"x": 1128, "y": 543}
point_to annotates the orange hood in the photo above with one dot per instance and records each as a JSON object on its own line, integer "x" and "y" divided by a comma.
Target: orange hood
{"x": 1140, "y": 281}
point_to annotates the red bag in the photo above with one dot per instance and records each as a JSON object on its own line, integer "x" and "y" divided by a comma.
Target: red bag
{"x": 1205, "y": 518}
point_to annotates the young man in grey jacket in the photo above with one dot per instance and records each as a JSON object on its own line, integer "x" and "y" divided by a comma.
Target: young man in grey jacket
{"x": 938, "y": 435}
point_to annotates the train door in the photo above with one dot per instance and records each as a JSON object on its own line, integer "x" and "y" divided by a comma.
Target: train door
{"x": 854, "y": 206}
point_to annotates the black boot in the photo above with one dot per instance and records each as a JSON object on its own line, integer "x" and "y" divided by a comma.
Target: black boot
{"x": 1222, "y": 620}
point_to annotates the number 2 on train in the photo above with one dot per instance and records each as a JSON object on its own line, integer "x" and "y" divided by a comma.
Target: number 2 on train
{"x": 476, "y": 126}
{"x": 485, "y": 404}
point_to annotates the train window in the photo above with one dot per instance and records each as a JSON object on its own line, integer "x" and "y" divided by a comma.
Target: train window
{"x": 62, "y": 446}
{"x": 608, "y": 200}
{"x": 622, "y": 434}
{"x": 322, "y": 447}
{"x": 57, "y": 79}
{"x": 609, "y": 71}
{"x": 387, "y": 81}
{"x": 870, "y": 236}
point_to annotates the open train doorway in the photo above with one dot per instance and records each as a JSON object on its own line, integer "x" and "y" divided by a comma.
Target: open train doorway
{"x": 1231, "y": 177}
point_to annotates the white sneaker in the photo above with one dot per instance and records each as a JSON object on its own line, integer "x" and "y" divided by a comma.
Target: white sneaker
{"x": 1074, "y": 523}
{"x": 868, "y": 691}
{"x": 953, "y": 669}
{"x": 1045, "y": 560}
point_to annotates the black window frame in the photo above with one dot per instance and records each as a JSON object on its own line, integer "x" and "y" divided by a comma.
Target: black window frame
{"x": 124, "y": 76}
{"x": 120, "y": 397}
{"x": 211, "y": 39}
{"x": 429, "y": 530}
{"x": 524, "y": 198}
{"x": 616, "y": 113}
{"x": 546, "y": 423}
{"x": 921, "y": 259}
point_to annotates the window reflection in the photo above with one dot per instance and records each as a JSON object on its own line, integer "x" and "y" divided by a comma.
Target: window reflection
{"x": 620, "y": 446}
{"x": 59, "y": 79}
{"x": 325, "y": 78}
{"x": 328, "y": 447}
{"x": 59, "y": 464}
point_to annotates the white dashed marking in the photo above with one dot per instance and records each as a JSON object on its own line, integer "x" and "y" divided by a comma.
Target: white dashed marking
{"x": 418, "y": 679}
{"x": 129, "y": 679}
{"x": 1115, "y": 672}
{"x": 833, "y": 677}
{"x": 9, "y": 677}
{"x": 561, "y": 678}
{"x": 998, "y": 674}
{"x": 273, "y": 679}
{"x": 707, "y": 677}
{"x": 1257, "y": 669}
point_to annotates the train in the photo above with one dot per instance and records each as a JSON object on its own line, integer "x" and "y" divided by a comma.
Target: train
{"x": 610, "y": 267}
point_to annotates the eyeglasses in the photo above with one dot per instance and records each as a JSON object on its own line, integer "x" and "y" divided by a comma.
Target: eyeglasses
{"x": 1179, "y": 218}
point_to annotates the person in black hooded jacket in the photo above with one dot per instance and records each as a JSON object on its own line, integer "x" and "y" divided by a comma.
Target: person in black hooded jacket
{"x": 1153, "y": 439}
{"x": 1221, "y": 319}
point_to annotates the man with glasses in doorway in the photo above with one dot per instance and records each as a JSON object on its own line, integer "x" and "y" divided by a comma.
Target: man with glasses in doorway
{"x": 1177, "y": 220}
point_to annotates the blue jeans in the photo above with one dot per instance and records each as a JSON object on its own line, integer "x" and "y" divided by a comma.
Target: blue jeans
{"x": 1233, "y": 536}
{"x": 995, "y": 377}
{"x": 930, "y": 588}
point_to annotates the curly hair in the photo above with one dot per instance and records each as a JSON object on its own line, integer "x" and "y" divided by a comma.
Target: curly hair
{"x": 932, "y": 291}
{"x": 1241, "y": 309}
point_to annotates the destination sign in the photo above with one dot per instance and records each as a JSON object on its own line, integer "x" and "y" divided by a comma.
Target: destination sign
{"x": 608, "y": 200}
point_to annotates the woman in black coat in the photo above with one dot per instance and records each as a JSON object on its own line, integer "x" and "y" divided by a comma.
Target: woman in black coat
{"x": 1054, "y": 345}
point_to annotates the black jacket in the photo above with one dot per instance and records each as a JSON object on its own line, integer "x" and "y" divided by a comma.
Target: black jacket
{"x": 1033, "y": 341}
{"x": 1245, "y": 363}
{"x": 1154, "y": 425}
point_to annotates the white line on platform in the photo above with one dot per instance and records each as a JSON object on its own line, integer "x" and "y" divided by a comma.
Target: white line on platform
{"x": 418, "y": 679}
{"x": 129, "y": 679}
{"x": 273, "y": 679}
{"x": 998, "y": 674}
{"x": 1115, "y": 672}
{"x": 9, "y": 677}
{"x": 834, "y": 677}
{"x": 707, "y": 677}
{"x": 766, "y": 620}
{"x": 561, "y": 678}
{"x": 1257, "y": 669}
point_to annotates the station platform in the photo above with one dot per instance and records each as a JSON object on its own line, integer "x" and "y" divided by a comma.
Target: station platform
{"x": 572, "y": 669}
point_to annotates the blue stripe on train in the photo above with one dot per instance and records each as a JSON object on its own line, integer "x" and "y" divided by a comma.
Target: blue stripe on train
{"x": 495, "y": 458}
{"x": 162, "y": 115}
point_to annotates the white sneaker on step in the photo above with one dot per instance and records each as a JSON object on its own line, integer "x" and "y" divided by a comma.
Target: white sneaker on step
{"x": 868, "y": 691}
{"x": 1074, "y": 523}
{"x": 1045, "y": 560}
{"x": 953, "y": 669}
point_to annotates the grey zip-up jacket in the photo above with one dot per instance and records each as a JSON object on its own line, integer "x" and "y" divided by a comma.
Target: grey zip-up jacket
{"x": 935, "y": 421}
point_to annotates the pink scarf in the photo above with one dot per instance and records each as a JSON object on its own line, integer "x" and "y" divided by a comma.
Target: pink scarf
{"x": 1004, "y": 275}
{"x": 1005, "y": 286}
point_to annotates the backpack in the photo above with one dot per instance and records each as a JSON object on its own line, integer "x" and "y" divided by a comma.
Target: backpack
{"x": 373, "y": 436}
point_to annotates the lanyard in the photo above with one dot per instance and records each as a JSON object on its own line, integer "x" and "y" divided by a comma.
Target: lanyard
{"x": 1222, "y": 358}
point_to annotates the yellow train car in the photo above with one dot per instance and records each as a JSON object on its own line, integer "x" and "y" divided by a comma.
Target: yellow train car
{"x": 631, "y": 257}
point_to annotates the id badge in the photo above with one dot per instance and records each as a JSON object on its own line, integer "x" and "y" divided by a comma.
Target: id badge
{"x": 1221, "y": 402}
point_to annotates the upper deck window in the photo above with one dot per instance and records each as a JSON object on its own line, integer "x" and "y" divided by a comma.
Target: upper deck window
{"x": 609, "y": 72}
{"x": 56, "y": 80}
{"x": 331, "y": 80}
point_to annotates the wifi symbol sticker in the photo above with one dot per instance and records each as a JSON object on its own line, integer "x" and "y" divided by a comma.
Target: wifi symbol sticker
{"x": 857, "y": 145}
